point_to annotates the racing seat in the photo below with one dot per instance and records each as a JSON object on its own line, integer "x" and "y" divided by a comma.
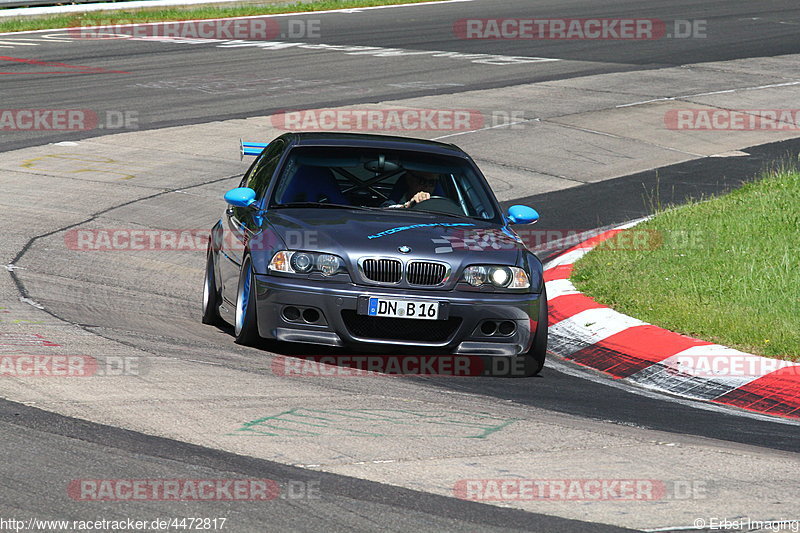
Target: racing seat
{"x": 313, "y": 184}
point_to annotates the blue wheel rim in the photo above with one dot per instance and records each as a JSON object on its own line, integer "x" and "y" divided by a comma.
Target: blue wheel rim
{"x": 207, "y": 285}
{"x": 244, "y": 299}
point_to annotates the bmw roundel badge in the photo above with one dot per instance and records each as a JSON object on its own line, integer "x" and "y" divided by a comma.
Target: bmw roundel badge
{"x": 404, "y": 249}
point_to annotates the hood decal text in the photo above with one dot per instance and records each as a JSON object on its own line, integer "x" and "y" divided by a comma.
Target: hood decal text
{"x": 414, "y": 226}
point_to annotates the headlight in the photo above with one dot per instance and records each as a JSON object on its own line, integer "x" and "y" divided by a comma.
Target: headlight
{"x": 475, "y": 275}
{"x": 503, "y": 277}
{"x": 329, "y": 264}
{"x": 306, "y": 262}
{"x": 301, "y": 262}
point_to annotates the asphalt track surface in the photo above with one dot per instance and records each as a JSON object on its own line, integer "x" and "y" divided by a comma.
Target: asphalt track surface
{"x": 741, "y": 29}
{"x": 208, "y": 85}
{"x": 345, "y": 503}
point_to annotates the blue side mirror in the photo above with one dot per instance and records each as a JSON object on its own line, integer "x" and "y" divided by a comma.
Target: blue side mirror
{"x": 522, "y": 214}
{"x": 241, "y": 197}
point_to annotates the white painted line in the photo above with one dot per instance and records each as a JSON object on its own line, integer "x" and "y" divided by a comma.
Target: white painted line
{"x": 506, "y": 125}
{"x": 42, "y": 40}
{"x": 771, "y": 86}
{"x": 725, "y": 91}
{"x": 644, "y": 102}
{"x": 713, "y": 92}
{"x": 16, "y": 42}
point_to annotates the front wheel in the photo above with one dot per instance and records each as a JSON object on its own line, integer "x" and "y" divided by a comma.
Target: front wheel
{"x": 534, "y": 359}
{"x": 246, "y": 323}
{"x": 211, "y": 296}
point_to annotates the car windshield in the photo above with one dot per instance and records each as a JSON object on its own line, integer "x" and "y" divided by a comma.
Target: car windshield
{"x": 383, "y": 179}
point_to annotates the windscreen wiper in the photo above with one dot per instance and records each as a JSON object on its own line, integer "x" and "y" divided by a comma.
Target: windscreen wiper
{"x": 438, "y": 213}
{"x": 319, "y": 204}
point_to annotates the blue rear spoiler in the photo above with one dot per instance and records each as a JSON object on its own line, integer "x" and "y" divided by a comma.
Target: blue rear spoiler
{"x": 248, "y": 148}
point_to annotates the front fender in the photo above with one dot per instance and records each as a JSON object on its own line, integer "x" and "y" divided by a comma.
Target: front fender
{"x": 263, "y": 246}
{"x": 216, "y": 237}
{"x": 536, "y": 269}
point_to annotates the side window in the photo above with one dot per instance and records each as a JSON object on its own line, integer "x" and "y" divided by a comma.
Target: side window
{"x": 260, "y": 176}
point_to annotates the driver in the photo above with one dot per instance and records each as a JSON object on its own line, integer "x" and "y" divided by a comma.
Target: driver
{"x": 424, "y": 183}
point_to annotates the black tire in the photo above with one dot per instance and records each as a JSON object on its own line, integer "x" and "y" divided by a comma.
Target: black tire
{"x": 527, "y": 364}
{"x": 245, "y": 322}
{"x": 534, "y": 359}
{"x": 211, "y": 296}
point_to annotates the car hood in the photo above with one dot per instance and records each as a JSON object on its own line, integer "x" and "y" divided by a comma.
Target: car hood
{"x": 352, "y": 234}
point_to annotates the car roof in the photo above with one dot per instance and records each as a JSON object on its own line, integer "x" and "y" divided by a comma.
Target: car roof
{"x": 386, "y": 142}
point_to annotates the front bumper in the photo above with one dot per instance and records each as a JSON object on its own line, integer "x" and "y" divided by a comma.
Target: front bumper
{"x": 326, "y": 312}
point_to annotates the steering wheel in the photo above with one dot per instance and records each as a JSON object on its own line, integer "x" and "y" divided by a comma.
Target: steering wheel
{"x": 442, "y": 204}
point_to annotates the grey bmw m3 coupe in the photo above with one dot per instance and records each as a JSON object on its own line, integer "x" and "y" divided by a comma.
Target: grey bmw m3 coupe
{"x": 374, "y": 242}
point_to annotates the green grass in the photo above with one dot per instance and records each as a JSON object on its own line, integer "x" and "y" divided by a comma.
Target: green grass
{"x": 727, "y": 270}
{"x": 127, "y": 16}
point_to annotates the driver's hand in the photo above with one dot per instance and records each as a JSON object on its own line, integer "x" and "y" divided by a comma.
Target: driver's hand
{"x": 417, "y": 198}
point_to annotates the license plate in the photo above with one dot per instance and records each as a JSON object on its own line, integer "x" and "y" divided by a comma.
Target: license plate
{"x": 403, "y": 308}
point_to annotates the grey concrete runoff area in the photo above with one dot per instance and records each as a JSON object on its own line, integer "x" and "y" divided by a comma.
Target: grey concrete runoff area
{"x": 192, "y": 404}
